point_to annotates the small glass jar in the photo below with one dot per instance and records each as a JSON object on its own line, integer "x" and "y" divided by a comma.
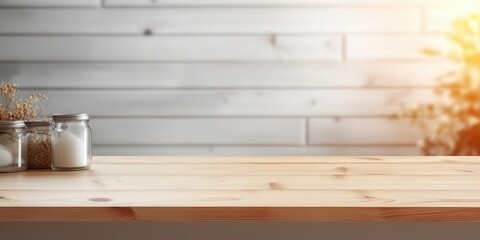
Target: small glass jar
{"x": 71, "y": 142}
{"x": 13, "y": 151}
{"x": 39, "y": 144}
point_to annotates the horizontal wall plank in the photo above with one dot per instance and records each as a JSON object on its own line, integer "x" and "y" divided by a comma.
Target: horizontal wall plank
{"x": 351, "y": 133}
{"x": 198, "y": 131}
{"x": 209, "y": 20}
{"x": 171, "y": 48}
{"x": 223, "y": 75}
{"x": 273, "y": 2}
{"x": 439, "y": 19}
{"x": 368, "y": 131}
{"x": 50, "y": 3}
{"x": 378, "y": 47}
{"x": 328, "y": 102}
{"x": 251, "y": 151}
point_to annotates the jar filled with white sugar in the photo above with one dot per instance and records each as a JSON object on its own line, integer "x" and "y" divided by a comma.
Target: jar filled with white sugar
{"x": 13, "y": 151}
{"x": 71, "y": 142}
{"x": 39, "y": 144}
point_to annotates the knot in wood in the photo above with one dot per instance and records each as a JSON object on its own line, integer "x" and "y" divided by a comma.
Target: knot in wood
{"x": 275, "y": 186}
{"x": 100, "y": 199}
{"x": 341, "y": 169}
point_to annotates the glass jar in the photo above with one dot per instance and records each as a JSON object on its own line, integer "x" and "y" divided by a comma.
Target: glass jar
{"x": 39, "y": 144}
{"x": 71, "y": 142}
{"x": 13, "y": 151}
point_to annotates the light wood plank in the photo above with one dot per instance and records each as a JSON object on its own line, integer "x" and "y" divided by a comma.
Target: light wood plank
{"x": 155, "y": 103}
{"x": 253, "y": 151}
{"x": 170, "y": 48}
{"x": 38, "y": 181}
{"x": 289, "y": 169}
{"x": 126, "y": 3}
{"x": 284, "y": 159}
{"x": 386, "y": 47}
{"x": 198, "y": 131}
{"x": 224, "y": 75}
{"x": 420, "y": 189}
{"x": 366, "y": 131}
{"x": 321, "y": 214}
{"x": 50, "y": 3}
{"x": 305, "y": 20}
{"x": 240, "y": 198}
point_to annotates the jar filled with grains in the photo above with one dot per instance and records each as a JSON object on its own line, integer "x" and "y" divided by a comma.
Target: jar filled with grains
{"x": 39, "y": 144}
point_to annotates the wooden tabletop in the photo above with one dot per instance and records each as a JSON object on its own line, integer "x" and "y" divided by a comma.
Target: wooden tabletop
{"x": 249, "y": 188}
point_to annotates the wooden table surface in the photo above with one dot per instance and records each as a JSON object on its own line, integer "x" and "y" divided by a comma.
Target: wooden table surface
{"x": 249, "y": 188}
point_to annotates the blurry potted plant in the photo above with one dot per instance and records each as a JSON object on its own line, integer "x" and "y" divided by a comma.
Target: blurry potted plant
{"x": 451, "y": 123}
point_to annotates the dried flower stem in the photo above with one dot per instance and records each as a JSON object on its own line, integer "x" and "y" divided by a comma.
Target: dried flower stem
{"x": 22, "y": 109}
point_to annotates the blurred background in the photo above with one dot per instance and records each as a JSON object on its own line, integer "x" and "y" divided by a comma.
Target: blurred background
{"x": 230, "y": 77}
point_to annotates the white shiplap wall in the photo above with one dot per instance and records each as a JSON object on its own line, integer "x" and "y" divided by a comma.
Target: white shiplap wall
{"x": 229, "y": 77}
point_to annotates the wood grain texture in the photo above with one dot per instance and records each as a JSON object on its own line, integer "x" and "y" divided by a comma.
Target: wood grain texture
{"x": 241, "y": 182}
{"x": 322, "y": 214}
{"x": 291, "y": 103}
{"x": 171, "y": 48}
{"x": 285, "y": 159}
{"x": 240, "y": 198}
{"x": 223, "y": 75}
{"x": 330, "y": 214}
{"x": 305, "y": 20}
{"x": 289, "y": 169}
{"x": 250, "y": 189}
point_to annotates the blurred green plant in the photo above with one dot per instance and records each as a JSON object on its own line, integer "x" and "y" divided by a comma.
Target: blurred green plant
{"x": 451, "y": 123}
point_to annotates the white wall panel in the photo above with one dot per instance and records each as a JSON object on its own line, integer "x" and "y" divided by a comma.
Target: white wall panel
{"x": 223, "y": 75}
{"x": 366, "y": 131}
{"x": 50, "y": 3}
{"x": 253, "y": 151}
{"x": 388, "y": 47}
{"x": 198, "y": 131}
{"x": 210, "y": 20}
{"x": 348, "y": 102}
{"x": 439, "y": 19}
{"x": 171, "y": 48}
{"x": 230, "y": 77}
{"x": 126, "y": 3}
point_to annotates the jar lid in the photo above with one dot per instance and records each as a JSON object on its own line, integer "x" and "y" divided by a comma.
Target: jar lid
{"x": 70, "y": 117}
{"x": 38, "y": 123}
{"x": 12, "y": 124}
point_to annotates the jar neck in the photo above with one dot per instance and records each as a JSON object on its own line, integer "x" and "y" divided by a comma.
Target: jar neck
{"x": 2, "y": 131}
{"x": 72, "y": 122}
